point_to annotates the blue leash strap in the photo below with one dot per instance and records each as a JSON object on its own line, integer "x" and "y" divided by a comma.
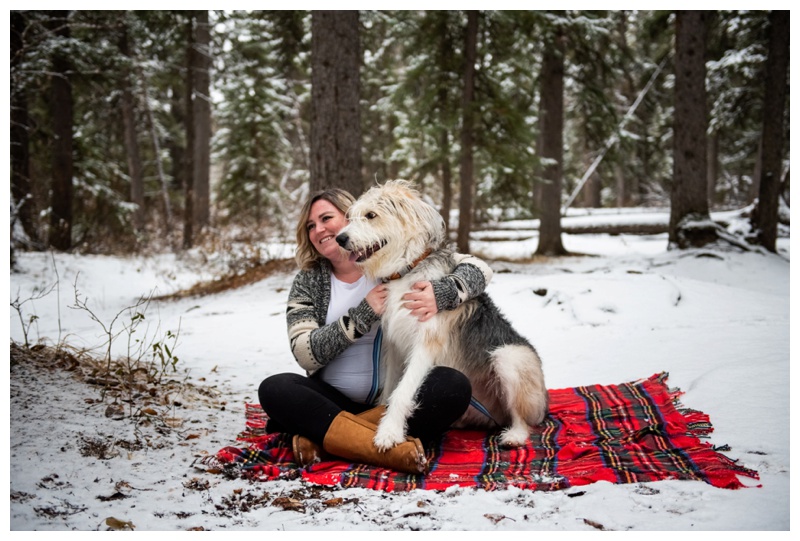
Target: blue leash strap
{"x": 481, "y": 408}
{"x": 376, "y": 368}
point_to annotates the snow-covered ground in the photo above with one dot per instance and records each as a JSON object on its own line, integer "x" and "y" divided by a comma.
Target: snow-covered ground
{"x": 717, "y": 320}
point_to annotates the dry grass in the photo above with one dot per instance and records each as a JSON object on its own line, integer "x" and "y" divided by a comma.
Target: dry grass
{"x": 142, "y": 392}
{"x": 250, "y": 275}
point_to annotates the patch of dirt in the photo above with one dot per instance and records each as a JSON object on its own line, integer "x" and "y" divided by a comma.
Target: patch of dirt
{"x": 249, "y": 275}
{"x": 309, "y": 499}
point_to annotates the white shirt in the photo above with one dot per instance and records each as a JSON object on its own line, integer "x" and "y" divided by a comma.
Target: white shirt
{"x": 351, "y": 372}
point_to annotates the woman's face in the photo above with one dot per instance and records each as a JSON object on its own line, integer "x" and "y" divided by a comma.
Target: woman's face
{"x": 324, "y": 223}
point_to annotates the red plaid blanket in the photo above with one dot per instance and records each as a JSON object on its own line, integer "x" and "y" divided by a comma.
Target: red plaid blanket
{"x": 627, "y": 433}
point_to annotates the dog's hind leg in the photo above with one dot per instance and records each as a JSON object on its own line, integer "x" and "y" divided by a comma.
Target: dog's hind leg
{"x": 520, "y": 373}
{"x": 402, "y": 401}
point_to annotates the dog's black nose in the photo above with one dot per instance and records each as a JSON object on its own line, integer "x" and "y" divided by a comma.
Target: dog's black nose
{"x": 342, "y": 239}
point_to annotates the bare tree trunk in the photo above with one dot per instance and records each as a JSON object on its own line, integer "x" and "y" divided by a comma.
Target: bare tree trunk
{"x": 755, "y": 185}
{"x": 20, "y": 140}
{"x": 593, "y": 190}
{"x": 202, "y": 120}
{"x": 61, "y": 113}
{"x": 188, "y": 163}
{"x": 552, "y": 145}
{"x": 623, "y": 191}
{"x": 157, "y": 150}
{"x": 765, "y": 217}
{"x": 131, "y": 142}
{"x": 712, "y": 164}
{"x": 466, "y": 171}
{"x": 444, "y": 57}
{"x": 689, "y": 224}
{"x": 447, "y": 180}
{"x": 335, "y": 154}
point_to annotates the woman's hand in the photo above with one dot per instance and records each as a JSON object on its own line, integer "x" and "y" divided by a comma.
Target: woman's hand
{"x": 376, "y": 298}
{"x": 421, "y": 301}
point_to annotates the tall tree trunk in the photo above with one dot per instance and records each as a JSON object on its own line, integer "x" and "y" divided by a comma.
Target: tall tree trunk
{"x": 623, "y": 193}
{"x": 61, "y": 114}
{"x": 551, "y": 118}
{"x": 175, "y": 145}
{"x": 20, "y": 140}
{"x": 712, "y": 171}
{"x": 765, "y": 217}
{"x": 188, "y": 163}
{"x": 689, "y": 224}
{"x": 202, "y": 120}
{"x": 131, "y": 141}
{"x": 466, "y": 168}
{"x": 335, "y": 154}
{"x": 444, "y": 59}
{"x": 592, "y": 191}
{"x": 157, "y": 152}
{"x": 447, "y": 180}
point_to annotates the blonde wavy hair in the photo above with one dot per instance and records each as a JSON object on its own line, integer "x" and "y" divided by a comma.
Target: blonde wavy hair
{"x": 306, "y": 255}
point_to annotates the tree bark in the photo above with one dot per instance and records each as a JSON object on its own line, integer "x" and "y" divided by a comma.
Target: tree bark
{"x": 20, "y": 140}
{"x": 202, "y": 120}
{"x": 712, "y": 164}
{"x": 690, "y": 225}
{"x": 447, "y": 180}
{"x": 466, "y": 170}
{"x": 188, "y": 161}
{"x": 335, "y": 154}
{"x": 552, "y": 146}
{"x": 60, "y": 236}
{"x": 157, "y": 152}
{"x": 131, "y": 142}
{"x": 765, "y": 217}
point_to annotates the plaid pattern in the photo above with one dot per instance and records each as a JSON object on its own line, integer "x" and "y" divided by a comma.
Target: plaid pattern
{"x": 630, "y": 433}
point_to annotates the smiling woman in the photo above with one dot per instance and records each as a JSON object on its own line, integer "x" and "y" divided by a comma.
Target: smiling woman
{"x": 326, "y": 205}
{"x": 323, "y": 224}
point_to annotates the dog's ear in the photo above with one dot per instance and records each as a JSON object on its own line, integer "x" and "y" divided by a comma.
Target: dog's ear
{"x": 428, "y": 217}
{"x": 407, "y": 202}
{"x": 436, "y": 225}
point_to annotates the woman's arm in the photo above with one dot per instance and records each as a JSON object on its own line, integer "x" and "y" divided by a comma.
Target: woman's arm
{"x": 313, "y": 344}
{"x": 469, "y": 279}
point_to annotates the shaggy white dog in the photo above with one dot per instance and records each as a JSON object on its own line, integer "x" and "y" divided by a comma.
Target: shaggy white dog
{"x": 395, "y": 236}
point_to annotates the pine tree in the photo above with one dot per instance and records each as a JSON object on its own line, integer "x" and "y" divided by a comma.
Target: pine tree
{"x": 262, "y": 139}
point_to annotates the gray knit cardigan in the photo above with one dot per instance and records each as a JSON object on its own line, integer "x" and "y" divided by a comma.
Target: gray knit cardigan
{"x": 314, "y": 343}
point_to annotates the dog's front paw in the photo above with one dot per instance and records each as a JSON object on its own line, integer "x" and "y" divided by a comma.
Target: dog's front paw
{"x": 514, "y": 437}
{"x": 387, "y": 437}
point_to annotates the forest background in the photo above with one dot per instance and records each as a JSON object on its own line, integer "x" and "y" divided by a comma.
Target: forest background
{"x": 163, "y": 130}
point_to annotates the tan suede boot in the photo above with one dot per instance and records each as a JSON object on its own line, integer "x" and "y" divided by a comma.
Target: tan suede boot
{"x": 373, "y": 415}
{"x": 350, "y": 437}
{"x": 308, "y": 452}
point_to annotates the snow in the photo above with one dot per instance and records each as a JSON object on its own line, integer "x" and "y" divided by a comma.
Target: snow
{"x": 716, "y": 319}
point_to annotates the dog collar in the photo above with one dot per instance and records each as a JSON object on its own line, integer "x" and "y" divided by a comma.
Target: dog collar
{"x": 408, "y": 269}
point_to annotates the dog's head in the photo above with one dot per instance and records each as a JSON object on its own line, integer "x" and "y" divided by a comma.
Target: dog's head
{"x": 390, "y": 227}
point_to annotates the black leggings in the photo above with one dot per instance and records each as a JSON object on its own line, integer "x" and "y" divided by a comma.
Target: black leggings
{"x": 307, "y": 405}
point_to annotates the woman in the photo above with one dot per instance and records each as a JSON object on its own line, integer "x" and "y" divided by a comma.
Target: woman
{"x": 333, "y": 318}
